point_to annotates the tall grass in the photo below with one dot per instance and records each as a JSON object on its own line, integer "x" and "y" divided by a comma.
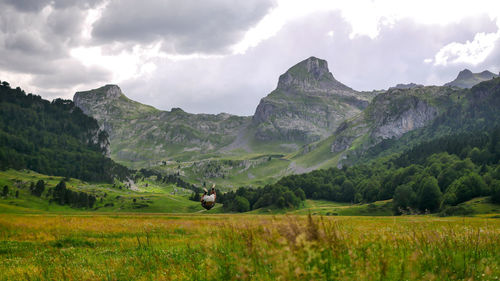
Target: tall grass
{"x": 239, "y": 247}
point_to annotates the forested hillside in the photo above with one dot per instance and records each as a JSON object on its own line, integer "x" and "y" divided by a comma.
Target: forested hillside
{"x": 53, "y": 138}
{"x": 471, "y": 110}
{"x": 433, "y": 176}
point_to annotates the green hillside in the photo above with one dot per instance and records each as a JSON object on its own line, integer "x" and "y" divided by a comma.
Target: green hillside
{"x": 54, "y": 138}
{"x": 145, "y": 196}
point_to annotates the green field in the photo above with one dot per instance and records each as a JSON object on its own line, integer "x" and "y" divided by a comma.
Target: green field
{"x": 162, "y": 235}
{"x": 153, "y": 197}
{"x": 150, "y": 197}
{"x": 247, "y": 247}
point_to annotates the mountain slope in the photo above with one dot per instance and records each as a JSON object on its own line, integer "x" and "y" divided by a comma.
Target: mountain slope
{"x": 401, "y": 118}
{"x": 467, "y": 79}
{"x": 143, "y": 134}
{"x": 307, "y": 105}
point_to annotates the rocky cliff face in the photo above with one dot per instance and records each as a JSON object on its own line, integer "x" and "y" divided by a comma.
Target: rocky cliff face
{"x": 140, "y": 133}
{"x": 307, "y": 105}
{"x": 467, "y": 79}
{"x": 390, "y": 115}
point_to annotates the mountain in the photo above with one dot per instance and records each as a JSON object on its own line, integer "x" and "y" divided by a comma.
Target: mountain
{"x": 142, "y": 134}
{"x": 54, "y": 138}
{"x": 307, "y": 105}
{"x": 309, "y": 121}
{"x": 399, "y": 119}
{"x": 467, "y": 79}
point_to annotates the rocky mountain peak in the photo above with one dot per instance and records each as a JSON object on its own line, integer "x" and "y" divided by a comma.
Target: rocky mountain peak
{"x": 310, "y": 74}
{"x": 105, "y": 93}
{"x": 315, "y": 67}
{"x": 487, "y": 74}
{"x": 465, "y": 74}
{"x": 112, "y": 91}
{"x": 467, "y": 79}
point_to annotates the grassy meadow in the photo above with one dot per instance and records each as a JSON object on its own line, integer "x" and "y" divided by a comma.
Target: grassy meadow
{"x": 89, "y": 246}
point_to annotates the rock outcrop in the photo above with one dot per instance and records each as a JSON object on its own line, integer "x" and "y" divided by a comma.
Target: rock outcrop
{"x": 390, "y": 115}
{"x": 307, "y": 105}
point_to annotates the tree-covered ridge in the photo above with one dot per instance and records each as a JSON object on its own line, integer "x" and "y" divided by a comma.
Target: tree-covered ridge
{"x": 433, "y": 176}
{"x": 54, "y": 138}
{"x": 461, "y": 111}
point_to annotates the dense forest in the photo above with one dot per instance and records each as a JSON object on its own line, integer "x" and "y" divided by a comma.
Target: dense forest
{"x": 53, "y": 138}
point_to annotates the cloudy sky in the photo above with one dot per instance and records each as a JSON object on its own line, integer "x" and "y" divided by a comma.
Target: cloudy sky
{"x": 225, "y": 55}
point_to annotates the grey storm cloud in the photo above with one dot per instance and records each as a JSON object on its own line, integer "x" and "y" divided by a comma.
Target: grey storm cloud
{"x": 236, "y": 83}
{"x": 28, "y": 5}
{"x": 36, "y": 42}
{"x": 37, "y": 5}
{"x": 187, "y": 26}
{"x": 39, "y": 43}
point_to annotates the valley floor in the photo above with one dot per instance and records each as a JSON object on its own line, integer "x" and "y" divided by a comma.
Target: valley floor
{"x": 89, "y": 246}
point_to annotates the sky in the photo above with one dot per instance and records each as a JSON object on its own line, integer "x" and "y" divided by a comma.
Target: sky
{"x": 217, "y": 56}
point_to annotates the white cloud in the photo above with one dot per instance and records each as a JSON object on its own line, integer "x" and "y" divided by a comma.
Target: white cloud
{"x": 471, "y": 52}
{"x": 367, "y": 20}
{"x": 124, "y": 65}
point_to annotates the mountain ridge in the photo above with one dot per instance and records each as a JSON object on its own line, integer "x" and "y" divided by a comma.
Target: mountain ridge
{"x": 467, "y": 79}
{"x": 309, "y": 121}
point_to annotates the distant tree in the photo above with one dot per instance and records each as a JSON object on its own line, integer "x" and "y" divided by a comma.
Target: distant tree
{"x": 300, "y": 194}
{"x": 404, "y": 198}
{"x": 495, "y": 191}
{"x": 347, "y": 191}
{"x": 83, "y": 199}
{"x": 429, "y": 197}
{"x": 39, "y": 188}
{"x": 17, "y": 193}
{"x": 265, "y": 200}
{"x": 369, "y": 189}
{"x": 241, "y": 204}
{"x": 446, "y": 177}
{"x": 59, "y": 192}
{"x": 290, "y": 199}
{"x": 280, "y": 203}
{"x": 5, "y": 191}
{"x": 91, "y": 199}
{"x": 195, "y": 196}
{"x": 468, "y": 187}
